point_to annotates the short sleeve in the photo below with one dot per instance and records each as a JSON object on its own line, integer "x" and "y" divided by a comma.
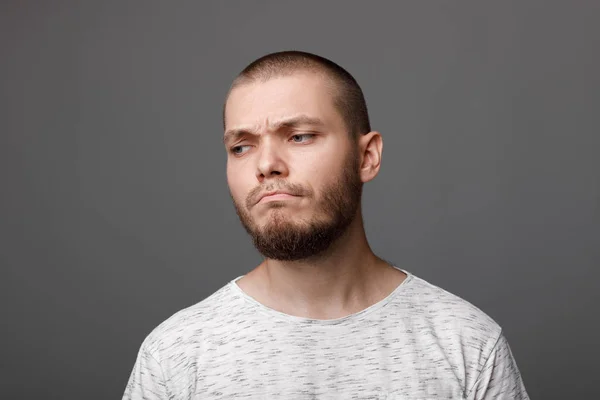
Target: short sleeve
{"x": 500, "y": 378}
{"x": 146, "y": 381}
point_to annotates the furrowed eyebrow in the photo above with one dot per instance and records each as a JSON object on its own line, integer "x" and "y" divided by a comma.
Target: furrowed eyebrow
{"x": 299, "y": 120}
{"x": 233, "y": 134}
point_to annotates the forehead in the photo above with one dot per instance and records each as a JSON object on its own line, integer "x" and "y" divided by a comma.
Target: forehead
{"x": 261, "y": 103}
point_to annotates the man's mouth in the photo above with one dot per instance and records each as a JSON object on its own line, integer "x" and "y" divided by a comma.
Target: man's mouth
{"x": 274, "y": 196}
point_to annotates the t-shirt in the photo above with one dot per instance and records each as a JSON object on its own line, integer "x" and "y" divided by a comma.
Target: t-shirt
{"x": 420, "y": 342}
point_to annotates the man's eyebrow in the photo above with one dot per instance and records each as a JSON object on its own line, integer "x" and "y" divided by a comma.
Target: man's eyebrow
{"x": 295, "y": 121}
{"x": 232, "y": 134}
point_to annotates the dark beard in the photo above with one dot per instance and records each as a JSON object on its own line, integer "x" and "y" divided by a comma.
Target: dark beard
{"x": 282, "y": 239}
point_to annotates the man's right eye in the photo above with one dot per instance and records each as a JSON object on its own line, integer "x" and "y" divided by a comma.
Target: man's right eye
{"x": 237, "y": 150}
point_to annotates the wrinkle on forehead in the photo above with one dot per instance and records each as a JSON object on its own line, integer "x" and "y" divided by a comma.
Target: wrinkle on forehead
{"x": 269, "y": 122}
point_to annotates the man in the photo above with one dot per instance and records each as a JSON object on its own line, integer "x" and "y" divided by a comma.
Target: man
{"x": 322, "y": 317}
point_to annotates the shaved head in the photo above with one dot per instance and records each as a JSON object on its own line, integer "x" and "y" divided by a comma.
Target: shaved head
{"x": 347, "y": 95}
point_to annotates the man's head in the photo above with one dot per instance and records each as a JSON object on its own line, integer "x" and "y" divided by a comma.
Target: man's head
{"x": 346, "y": 94}
{"x": 297, "y": 123}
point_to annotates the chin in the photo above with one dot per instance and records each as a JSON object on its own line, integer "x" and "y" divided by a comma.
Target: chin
{"x": 276, "y": 218}
{"x": 278, "y": 210}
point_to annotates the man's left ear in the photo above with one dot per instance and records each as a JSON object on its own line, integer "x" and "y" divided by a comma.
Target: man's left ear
{"x": 370, "y": 147}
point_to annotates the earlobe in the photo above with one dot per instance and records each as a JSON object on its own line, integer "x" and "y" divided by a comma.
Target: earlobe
{"x": 371, "y": 146}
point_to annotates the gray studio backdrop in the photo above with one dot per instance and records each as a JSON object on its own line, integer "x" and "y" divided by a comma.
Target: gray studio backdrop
{"x": 115, "y": 211}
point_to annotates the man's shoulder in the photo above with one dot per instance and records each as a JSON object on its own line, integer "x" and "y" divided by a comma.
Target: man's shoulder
{"x": 447, "y": 311}
{"x": 451, "y": 328}
{"x": 191, "y": 324}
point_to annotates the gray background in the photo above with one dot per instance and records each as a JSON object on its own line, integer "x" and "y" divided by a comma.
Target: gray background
{"x": 115, "y": 210}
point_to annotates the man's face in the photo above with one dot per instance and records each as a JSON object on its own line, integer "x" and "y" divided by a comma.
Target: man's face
{"x": 286, "y": 135}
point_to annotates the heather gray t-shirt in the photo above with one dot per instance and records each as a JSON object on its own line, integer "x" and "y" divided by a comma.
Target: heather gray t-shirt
{"x": 420, "y": 342}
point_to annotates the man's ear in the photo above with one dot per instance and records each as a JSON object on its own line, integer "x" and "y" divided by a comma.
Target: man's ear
{"x": 370, "y": 147}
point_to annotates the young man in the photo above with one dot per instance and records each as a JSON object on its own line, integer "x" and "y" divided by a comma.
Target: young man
{"x": 322, "y": 317}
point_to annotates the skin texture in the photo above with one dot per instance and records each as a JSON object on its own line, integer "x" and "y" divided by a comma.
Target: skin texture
{"x": 286, "y": 134}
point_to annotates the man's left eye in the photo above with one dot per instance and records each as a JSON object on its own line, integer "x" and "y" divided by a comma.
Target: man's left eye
{"x": 302, "y": 137}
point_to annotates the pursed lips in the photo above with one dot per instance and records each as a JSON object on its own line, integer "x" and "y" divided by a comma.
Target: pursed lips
{"x": 275, "y": 195}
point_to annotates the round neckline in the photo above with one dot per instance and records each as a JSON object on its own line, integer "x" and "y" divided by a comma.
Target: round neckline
{"x": 357, "y": 316}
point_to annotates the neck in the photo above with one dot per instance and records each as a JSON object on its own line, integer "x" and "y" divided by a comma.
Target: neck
{"x": 347, "y": 278}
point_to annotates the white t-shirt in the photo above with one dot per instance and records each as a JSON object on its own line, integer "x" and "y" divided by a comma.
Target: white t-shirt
{"x": 420, "y": 342}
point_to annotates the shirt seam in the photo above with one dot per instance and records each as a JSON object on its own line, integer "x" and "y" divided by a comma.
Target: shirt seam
{"x": 162, "y": 372}
{"x": 468, "y": 393}
{"x": 358, "y": 317}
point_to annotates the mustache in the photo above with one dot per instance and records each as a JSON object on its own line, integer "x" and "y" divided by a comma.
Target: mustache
{"x": 291, "y": 188}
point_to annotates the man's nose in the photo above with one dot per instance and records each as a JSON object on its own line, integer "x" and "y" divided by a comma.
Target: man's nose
{"x": 271, "y": 163}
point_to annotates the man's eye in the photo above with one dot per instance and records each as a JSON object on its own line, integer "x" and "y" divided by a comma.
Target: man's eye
{"x": 299, "y": 138}
{"x": 237, "y": 150}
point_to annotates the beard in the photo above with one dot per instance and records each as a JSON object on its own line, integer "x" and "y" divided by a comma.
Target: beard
{"x": 283, "y": 239}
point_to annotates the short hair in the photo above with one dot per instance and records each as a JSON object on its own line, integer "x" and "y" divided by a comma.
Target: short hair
{"x": 349, "y": 99}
